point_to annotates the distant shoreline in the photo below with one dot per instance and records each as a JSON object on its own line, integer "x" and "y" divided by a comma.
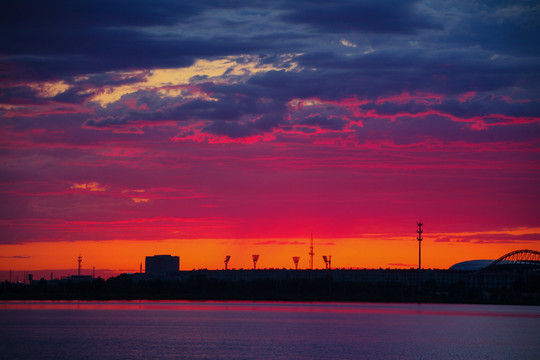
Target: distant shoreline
{"x": 509, "y": 286}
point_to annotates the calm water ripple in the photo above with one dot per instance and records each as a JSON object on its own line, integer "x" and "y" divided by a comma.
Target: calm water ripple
{"x": 245, "y": 330}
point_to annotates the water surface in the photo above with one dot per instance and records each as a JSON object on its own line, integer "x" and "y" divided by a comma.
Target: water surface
{"x": 262, "y": 330}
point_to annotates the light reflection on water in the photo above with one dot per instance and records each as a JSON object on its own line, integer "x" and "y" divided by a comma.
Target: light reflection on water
{"x": 266, "y": 330}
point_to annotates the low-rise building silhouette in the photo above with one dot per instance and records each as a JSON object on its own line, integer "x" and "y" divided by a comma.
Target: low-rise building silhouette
{"x": 162, "y": 265}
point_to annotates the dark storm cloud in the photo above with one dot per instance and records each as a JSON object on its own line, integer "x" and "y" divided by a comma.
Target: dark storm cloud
{"x": 267, "y": 122}
{"x": 485, "y": 106}
{"x": 226, "y": 106}
{"x": 436, "y": 69}
{"x": 108, "y": 50}
{"x": 73, "y": 95}
{"x": 506, "y": 27}
{"x": 99, "y": 80}
{"x": 90, "y": 13}
{"x": 230, "y": 129}
{"x": 362, "y": 49}
{"x": 406, "y": 130}
{"x": 393, "y": 16}
{"x": 65, "y": 38}
{"x": 477, "y": 107}
{"x": 18, "y": 95}
{"x": 59, "y": 39}
{"x": 327, "y": 123}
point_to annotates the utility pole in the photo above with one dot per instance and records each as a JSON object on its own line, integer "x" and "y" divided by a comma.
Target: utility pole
{"x": 311, "y": 253}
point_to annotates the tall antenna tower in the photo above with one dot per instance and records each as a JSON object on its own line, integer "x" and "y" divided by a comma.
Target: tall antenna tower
{"x": 227, "y": 258}
{"x": 311, "y": 253}
{"x": 419, "y": 238}
{"x": 255, "y": 258}
{"x": 79, "y": 260}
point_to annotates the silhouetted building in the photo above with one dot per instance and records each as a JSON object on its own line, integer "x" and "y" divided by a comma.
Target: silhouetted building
{"x": 161, "y": 265}
{"x": 518, "y": 259}
{"x": 471, "y": 265}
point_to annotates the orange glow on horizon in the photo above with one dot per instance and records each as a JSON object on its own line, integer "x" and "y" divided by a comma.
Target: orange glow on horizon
{"x": 125, "y": 256}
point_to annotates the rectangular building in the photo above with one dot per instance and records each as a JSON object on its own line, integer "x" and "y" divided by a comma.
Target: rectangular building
{"x": 162, "y": 265}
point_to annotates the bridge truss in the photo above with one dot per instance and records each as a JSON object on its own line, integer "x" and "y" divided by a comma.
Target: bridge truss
{"x": 520, "y": 258}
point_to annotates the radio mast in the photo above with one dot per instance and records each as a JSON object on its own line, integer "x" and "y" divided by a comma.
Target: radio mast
{"x": 419, "y": 238}
{"x": 79, "y": 260}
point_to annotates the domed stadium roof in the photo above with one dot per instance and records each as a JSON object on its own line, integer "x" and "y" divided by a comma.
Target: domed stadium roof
{"x": 471, "y": 265}
{"x": 520, "y": 259}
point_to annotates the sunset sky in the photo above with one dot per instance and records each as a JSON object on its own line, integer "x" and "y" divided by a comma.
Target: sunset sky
{"x": 211, "y": 128}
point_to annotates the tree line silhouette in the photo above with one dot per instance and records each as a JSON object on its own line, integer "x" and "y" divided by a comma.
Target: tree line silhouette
{"x": 200, "y": 287}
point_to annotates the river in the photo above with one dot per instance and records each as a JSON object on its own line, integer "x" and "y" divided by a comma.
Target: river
{"x": 266, "y": 330}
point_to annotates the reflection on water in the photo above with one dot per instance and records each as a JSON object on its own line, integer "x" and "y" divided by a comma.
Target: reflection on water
{"x": 245, "y": 330}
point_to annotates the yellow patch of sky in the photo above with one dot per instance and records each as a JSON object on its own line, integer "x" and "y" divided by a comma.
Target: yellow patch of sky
{"x": 137, "y": 200}
{"x": 49, "y": 89}
{"x": 218, "y": 70}
{"x": 347, "y": 43}
{"x": 306, "y": 102}
{"x": 8, "y": 107}
{"x": 91, "y": 186}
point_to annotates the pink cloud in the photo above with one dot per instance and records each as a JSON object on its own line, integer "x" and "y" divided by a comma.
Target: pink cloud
{"x": 510, "y": 100}
{"x": 279, "y": 242}
{"x": 46, "y": 108}
{"x": 489, "y": 238}
{"x": 468, "y": 96}
{"x": 133, "y": 229}
{"x": 91, "y": 186}
{"x": 425, "y": 98}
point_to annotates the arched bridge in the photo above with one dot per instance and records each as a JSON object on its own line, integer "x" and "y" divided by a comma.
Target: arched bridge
{"x": 518, "y": 258}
